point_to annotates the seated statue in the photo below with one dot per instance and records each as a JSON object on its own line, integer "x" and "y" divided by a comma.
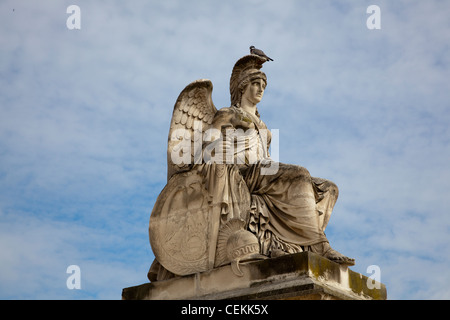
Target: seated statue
{"x": 226, "y": 201}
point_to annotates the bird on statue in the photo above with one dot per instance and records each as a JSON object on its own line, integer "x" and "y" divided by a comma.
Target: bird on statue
{"x": 259, "y": 52}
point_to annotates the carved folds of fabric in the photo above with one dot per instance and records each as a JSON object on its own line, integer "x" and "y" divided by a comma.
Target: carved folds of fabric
{"x": 227, "y": 190}
{"x": 259, "y": 225}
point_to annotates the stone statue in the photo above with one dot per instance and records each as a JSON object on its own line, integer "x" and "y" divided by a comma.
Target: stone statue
{"x": 226, "y": 201}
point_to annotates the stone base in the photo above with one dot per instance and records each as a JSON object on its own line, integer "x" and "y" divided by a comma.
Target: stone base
{"x": 300, "y": 276}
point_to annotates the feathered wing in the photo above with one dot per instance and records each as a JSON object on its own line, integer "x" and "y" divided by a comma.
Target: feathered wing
{"x": 192, "y": 116}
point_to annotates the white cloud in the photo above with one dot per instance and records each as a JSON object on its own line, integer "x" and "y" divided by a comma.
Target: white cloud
{"x": 37, "y": 251}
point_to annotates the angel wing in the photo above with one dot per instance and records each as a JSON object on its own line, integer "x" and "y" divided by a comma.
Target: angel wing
{"x": 192, "y": 116}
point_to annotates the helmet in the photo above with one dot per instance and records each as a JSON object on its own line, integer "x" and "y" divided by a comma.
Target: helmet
{"x": 235, "y": 244}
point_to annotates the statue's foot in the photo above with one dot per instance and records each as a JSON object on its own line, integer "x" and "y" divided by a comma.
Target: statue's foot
{"x": 335, "y": 256}
{"x": 275, "y": 253}
{"x": 325, "y": 250}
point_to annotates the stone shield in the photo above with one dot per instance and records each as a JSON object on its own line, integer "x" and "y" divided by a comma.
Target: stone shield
{"x": 185, "y": 221}
{"x": 181, "y": 229}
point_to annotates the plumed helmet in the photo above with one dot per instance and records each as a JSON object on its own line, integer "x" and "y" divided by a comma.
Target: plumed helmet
{"x": 236, "y": 244}
{"x": 245, "y": 70}
{"x": 242, "y": 244}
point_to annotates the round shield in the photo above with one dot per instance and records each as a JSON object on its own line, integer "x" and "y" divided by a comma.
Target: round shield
{"x": 186, "y": 218}
{"x": 180, "y": 227}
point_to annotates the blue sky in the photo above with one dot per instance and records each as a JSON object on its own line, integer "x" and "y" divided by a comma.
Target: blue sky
{"x": 85, "y": 116}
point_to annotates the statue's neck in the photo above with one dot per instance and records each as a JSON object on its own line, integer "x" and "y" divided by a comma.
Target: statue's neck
{"x": 249, "y": 108}
{"x": 252, "y": 114}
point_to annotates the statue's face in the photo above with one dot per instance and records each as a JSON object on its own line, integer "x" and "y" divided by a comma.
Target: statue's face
{"x": 254, "y": 91}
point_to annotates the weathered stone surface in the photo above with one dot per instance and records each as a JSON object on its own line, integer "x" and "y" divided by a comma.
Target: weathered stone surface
{"x": 221, "y": 173}
{"x": 302, "y": 276}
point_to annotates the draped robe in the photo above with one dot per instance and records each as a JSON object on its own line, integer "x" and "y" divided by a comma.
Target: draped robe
{"x": 289, "y": 209}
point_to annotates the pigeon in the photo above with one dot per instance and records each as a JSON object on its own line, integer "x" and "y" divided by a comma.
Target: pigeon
{"x": 260, "y": 53}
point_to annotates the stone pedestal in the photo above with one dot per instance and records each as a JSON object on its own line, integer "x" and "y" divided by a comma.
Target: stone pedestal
{"x": 301, "y": 276}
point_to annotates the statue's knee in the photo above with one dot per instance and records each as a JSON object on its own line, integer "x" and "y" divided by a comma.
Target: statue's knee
{"x": 333, "y": 188}
{"x": 327, "y": 186}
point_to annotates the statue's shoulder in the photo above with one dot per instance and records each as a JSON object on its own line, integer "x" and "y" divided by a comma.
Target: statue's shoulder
{"x": 225, "y": 115}
{"x": 228, "y": 112}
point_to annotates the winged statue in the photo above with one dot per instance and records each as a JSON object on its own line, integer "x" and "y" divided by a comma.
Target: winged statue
{"x": 192, "y": 115}
{"x": 214, "y": 213}
{"x": 190, "y": 217}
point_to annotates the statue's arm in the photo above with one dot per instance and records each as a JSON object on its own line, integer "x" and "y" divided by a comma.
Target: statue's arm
{"x": 229, "y": 118}
{"x": 222, "y": 121}
{"x": 223, "y": 118}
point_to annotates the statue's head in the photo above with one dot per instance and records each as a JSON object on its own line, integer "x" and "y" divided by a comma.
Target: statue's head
{"x": 246, "y": 70}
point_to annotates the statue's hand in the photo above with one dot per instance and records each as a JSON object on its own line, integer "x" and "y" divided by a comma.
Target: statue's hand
{"x": 243, "y": 123}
